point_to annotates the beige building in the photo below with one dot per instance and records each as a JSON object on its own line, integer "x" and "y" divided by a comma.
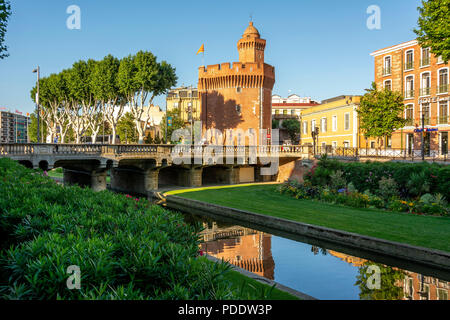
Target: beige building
{"x": 186, "y": 100}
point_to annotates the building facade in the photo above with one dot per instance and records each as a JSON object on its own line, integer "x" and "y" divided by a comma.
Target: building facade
{"x": 238, "y": 95}
{"x": 186, "y": 100}
{"x": 423, "y": 79}
{"x": 292, "y": 105}
{"x": 13, "y": 127}
{"x": 336, "y": 120}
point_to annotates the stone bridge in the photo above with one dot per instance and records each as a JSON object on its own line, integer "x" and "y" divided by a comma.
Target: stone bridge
{"x": 146, "y": 168}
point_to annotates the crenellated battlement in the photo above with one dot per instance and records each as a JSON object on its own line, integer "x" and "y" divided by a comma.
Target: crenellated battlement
{"x": 237, "y": 74}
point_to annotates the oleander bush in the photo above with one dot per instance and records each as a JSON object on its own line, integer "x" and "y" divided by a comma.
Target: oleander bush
{"x": 125, "y": 248}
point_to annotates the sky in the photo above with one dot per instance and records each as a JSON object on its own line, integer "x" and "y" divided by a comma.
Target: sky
{"x": 319, "y": 49}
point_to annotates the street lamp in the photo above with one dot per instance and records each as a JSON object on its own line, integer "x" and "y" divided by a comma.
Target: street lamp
{"x": 423, "y": 135}
{"x": 315, "y": 135}
{"x": 37, "y": 103}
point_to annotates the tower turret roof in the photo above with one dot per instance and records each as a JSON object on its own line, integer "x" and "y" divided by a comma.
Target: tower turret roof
{"x": 251, "y": 31}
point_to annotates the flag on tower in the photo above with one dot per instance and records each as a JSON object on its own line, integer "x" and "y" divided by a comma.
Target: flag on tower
{"x": 202, "y": 49}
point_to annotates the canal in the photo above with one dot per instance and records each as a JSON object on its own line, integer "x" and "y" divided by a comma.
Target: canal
{"x": 323, "y": 270}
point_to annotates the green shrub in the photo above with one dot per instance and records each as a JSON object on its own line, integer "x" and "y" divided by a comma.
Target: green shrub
{"x": 126, "y": 248}
{"x": 418, "y": 184}
{"x": 366, "y": 176}
{"x": 351, "y": 188}
{"x": 387, "y": 188}
{"x": 337, "y": 180}
{"x": 428, "y": 198}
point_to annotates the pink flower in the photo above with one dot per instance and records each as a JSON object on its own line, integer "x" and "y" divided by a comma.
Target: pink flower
{"x": 200, "y": 252}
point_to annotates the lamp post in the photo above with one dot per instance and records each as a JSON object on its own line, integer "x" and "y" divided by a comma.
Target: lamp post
{"x": 315, "y": 135}
{"x": 423, "y": 135}
{"x": 37, "y": 103}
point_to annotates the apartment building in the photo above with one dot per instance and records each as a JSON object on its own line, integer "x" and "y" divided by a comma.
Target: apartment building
{"x": 423, "y": 80}
{"x": 13, "y": 127}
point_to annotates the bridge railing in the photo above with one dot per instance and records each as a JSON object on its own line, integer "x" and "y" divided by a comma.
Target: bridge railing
{"x": 388, "y": 153}
{"x": 99, "y": 149}
{"x": 13, "y": 149}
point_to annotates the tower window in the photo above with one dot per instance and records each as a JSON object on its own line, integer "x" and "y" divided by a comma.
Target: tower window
{"x": 238, "y": 89}
{"x": 238, "y": 108}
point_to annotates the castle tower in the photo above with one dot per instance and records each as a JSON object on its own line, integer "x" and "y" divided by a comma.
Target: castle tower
{"x": 238, "y": 95}
{"x": 251, "y": 46}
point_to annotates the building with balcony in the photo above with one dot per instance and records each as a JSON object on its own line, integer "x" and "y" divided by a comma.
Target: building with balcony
{"x": 13, "y": 127}
{"x": 186, "y": 100}
{"x": 423, "y": 80}
{"x": 335, "y": 121}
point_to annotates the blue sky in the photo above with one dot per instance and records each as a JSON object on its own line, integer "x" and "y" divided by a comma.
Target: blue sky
{"x": 319, "y": 48}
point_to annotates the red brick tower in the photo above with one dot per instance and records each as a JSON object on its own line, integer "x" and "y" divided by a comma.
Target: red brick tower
{"x": 238, "y": 96}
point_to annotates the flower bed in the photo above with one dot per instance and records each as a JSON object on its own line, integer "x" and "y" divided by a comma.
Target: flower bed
{"x": 415, "y": 188}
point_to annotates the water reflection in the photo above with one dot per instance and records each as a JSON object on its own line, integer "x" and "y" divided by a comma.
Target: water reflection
{"x": 319, "y": 272}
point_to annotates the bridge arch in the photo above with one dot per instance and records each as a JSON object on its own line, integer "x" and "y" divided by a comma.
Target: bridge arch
{"x": 26, "y": 163}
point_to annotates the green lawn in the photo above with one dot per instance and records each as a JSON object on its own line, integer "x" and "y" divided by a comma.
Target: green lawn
{"x": 424, "y": 231}
{"x": 250, "y": 287}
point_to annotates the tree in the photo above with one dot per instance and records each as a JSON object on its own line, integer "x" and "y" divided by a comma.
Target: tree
{"x": 52, "y": 99}
{"x": 293, "y": 128}
{"x": 157, "y": 138}
{"x": 5, "y": 12}
{"x": 380, "y": 112}
{"x": 106, "y": 91}
{"x": 142, "y": 78}
{"x": 275, "y": 124}
{"x": 83, "y": 104}
{"x": 126, "y": 129}
{"x": 434, "y": 27}
{"x": 32, "y": 128}
{"x": 176, "y": 122}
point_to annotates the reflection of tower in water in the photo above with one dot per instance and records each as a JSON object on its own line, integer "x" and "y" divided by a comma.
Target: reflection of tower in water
{"x": 243, "y": 247}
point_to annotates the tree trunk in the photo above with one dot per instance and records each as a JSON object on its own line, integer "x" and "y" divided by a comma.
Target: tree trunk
{"x": 113, "y": 130}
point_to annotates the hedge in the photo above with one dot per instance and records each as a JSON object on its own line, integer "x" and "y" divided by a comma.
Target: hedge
{"x": 366, "y": 175}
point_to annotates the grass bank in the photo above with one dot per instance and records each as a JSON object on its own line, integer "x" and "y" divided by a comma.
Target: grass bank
{"x": 251, "y": 288}
{"x": 424, "y": 231}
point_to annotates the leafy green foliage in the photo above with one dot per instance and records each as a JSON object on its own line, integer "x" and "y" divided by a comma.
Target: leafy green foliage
{"x": 126, "y": 248}
{"x": 126, "y": 129}
{"x": 5, "y": 12}
{"x": 389, "y": 278}
{"x": 388, "y": 185}
{"x": 275, "y": 124}
{"x": 337, "y": 180}
{"x": 177, "y": 123}
{"x": 380, "y": 112}
{"x": 387, "y": 188}
{"x": 434, "y": 27}
{"x": 293, "y": 128}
